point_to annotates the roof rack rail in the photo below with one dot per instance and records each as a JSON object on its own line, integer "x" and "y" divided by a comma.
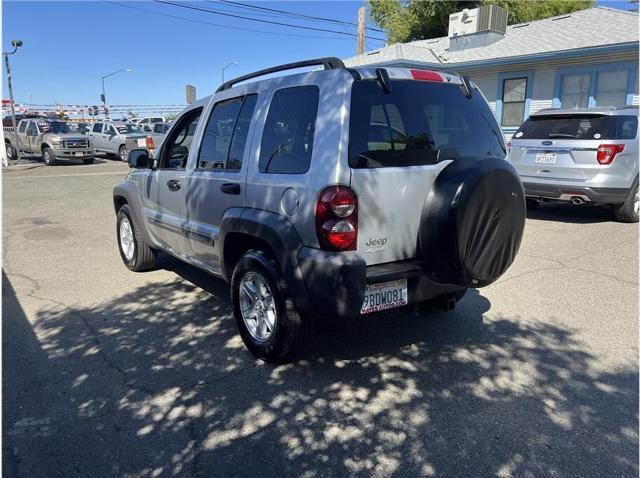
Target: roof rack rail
{"x": 329, "y": 63}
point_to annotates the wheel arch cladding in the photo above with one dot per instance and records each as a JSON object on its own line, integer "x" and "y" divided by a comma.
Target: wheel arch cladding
{"x": 472, "y": 222}
{"x": 126, "y": 193}
{"x": 267, "y": 228}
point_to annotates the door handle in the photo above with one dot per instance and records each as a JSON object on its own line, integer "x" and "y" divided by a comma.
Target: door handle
{"x": 230, "y": 188}
{"x": 174, "y": 184}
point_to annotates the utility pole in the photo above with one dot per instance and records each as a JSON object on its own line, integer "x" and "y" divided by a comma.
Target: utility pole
{"x": 361, "y": 30}
{"x": 15, "y": 44}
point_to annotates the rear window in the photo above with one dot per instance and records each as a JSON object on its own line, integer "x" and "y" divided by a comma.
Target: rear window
{"x": 578, "y": 126}
{"x": 419, "y": 123}
{"x": 287, "y": 139}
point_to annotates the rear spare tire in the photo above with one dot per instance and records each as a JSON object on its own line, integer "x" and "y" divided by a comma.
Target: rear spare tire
{"x": 472, "y": 222}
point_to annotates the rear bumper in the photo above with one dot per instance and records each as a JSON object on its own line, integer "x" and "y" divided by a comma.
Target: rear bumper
{"x": 335, "y": 281}
{"x": 559, "y": 192}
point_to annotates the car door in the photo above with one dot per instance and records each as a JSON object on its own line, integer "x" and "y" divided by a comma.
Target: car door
{"x": 167, "y": 216}
{"x": 217, "y": 182}
{"x": 112, "y": 138}
{"x": 31, "y": 138}
{"x": 96, "y": 136}
{"x": 22, "y": 135}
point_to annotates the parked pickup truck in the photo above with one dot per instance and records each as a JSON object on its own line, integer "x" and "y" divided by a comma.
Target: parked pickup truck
{"x": 111, "y": 137}
{"x": 52, "y": 139}
{"x": 154, "y": 137}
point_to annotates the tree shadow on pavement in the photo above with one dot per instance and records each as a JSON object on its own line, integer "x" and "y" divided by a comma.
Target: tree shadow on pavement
{"x": 156, "y": 382}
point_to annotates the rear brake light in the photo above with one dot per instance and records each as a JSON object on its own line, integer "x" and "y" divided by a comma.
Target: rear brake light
{"x": 607, "y": 152}
{"x": 150, "y": 143}
{"x": 337, "y": 219}
{"x": 426, "y": 75}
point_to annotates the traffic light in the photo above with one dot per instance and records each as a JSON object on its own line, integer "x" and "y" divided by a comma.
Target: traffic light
{"x": 102, "y": 98}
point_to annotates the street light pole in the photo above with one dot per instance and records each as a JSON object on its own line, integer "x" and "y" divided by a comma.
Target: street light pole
{"x": 15, "y": 44}
{"x": 104, "y": 96}
{"x": 230, "y": 64}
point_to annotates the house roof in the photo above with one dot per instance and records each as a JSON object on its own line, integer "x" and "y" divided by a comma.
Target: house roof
{"x": 593, "y": 28}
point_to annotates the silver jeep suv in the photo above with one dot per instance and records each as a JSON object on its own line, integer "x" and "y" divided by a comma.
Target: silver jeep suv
{"x": 335, "y": 192}
{"x": 586, "y": 155}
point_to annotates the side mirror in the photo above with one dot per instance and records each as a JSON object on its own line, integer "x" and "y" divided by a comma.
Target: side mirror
{"x": 139, "y": 158}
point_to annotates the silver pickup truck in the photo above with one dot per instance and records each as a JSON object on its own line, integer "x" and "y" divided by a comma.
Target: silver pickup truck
{"x": 111, "y": 137}
{"x": 49, "y": 138}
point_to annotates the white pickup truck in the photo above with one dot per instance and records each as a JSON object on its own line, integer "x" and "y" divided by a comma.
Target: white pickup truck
{"x": 111, "y": 137}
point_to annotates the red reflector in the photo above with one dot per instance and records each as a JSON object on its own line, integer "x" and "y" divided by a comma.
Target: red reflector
{"x": 150, "y": 143}
{"x": 426, "y": 75}
{"x": 607, "y": 152}
{"x": 341, "y": 235}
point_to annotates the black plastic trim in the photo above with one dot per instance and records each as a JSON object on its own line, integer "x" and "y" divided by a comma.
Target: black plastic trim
{"x": 329, "y": 63}
{"x": 597, "y": 195}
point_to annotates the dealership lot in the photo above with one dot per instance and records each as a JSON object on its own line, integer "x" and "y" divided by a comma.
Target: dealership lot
{"x": 116, "y": 373}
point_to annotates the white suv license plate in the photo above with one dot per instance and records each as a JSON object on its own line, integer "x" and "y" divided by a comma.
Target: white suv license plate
{"x": 546, "y": 158}
{"x": 384, "y": 295}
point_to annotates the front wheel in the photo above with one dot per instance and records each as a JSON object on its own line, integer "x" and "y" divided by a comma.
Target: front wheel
{"x": 630, "y": 209}
{"x": 267, "y": 319}
{"x": 48, "y": 157}
{"x": 123, "y": 153}
{"x": 135, "y": 253}
{"x": 11, "y": 152}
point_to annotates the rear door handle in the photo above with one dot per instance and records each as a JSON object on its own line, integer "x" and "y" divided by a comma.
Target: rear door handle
{"x": 230, "y": 188}
{"x": 174, "y": 184}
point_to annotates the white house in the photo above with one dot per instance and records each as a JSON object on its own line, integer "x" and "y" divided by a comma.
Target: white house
{"x": 585, "y": 58}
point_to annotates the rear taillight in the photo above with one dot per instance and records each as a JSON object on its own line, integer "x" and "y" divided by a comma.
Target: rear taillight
{"x": 337, "y": 219}
{"x": 150, "y": 143}
{"x": 426, "y": 75}
{"x": 607, "y": 152}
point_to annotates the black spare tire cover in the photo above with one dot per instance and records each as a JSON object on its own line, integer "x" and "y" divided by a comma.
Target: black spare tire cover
{"x": 472, "y": 222}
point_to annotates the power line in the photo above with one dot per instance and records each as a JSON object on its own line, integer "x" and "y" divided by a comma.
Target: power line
{"x": 202, "y": 22}
{"x": 218, "y": 12}
{"x": 297, "y": 15}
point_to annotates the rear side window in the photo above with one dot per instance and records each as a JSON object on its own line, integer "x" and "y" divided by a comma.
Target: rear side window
{"x": 287, "y": 139}
{"x": 419, "y": 123}
{"x": 226, "y": 134}
{"x": 22, "y": 127}
{"x": 578, "y": 126}
{"x": 97, "y": 128}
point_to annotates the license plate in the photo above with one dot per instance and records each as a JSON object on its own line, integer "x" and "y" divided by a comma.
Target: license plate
{"x": 142, "y": 142}
{"x": 546, "y": 158}
{"x": 79, "y": 153}
{"x": 385, "y": 295}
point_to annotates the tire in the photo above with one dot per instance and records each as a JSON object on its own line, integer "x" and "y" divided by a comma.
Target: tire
{"x": 48, "y": 157}
{"x": 123, "y": 153}
{"x": 88, "y": 160}
{"x": 532, "y": 204}
{"x": 11, "y": 151}
{"x": 140, "y": 257}
{"x": 282, "y": 331}
{"x": 628, "y": 211}
{"x": 472, "y": 222}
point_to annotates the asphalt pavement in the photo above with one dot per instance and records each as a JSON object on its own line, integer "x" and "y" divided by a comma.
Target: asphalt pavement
{"x": 112, "y": 373}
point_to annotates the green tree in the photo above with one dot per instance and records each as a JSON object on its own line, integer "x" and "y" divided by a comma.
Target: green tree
{"x": 407, "y": 20}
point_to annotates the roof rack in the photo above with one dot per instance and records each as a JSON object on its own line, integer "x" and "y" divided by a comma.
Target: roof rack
{"x": 329, "y": 63}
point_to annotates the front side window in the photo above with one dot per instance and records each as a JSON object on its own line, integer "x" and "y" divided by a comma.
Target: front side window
{"x": 513, "y": 101}
{"x": 574, "y": 90}
{"x": 109, "y": 129}
{"x": 31, "y": 129}
{"x": 175, "y": 150}
{"x": 611, "y": 89}
{"x": 419, "y": 123}
{"x": 287, "y": 139}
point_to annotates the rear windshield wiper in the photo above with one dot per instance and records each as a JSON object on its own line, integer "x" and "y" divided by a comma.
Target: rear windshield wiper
{"x": 562, "y": 135}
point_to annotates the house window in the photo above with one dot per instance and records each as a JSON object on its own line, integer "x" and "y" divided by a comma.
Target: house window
{"x": 513, "y": 101}
{"x": 574, "y": 90}
{"x": 611, "y": 89}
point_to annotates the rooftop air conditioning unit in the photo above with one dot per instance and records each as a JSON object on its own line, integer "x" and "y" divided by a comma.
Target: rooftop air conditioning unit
{"x": 487, "y": 18}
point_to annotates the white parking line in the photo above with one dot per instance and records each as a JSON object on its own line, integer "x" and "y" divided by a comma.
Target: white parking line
{"x": 32, "y": 176}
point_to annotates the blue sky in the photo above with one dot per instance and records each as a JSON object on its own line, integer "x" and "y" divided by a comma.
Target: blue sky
{"x": 68, "y": 46}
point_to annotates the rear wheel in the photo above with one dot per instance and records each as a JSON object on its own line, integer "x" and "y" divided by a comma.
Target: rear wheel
{"x": 267, "y": 319}
{"x": 48, "y": 157}
{"x": 135, "y": 253}
{"x": 123, "y": 153}
{"x": 630, "y": 209}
